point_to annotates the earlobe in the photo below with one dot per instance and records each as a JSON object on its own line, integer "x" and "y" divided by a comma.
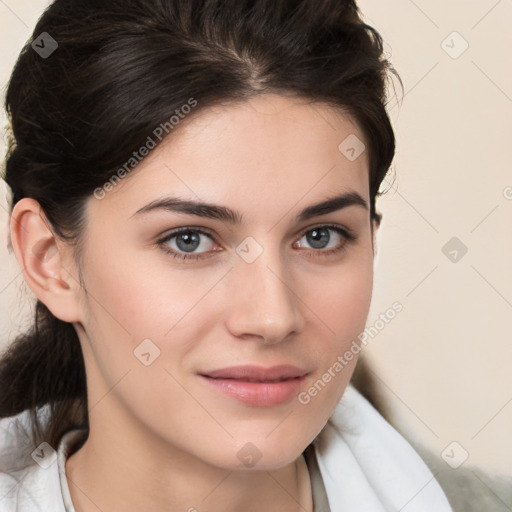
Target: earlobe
{"x": 375, "y": 227}
{"x": 41, "y": 257}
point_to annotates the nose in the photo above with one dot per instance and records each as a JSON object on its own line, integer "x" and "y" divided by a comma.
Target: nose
{"x": 264, "y": 304}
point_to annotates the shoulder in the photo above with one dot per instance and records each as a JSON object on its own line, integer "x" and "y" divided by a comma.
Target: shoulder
{"x": 468, "y": 488}
{"x": 31, "y": 489}
{"x": 366, "y": 464}
{"x": 29, "y": 475}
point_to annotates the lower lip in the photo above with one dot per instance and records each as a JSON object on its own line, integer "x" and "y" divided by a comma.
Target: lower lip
{"x": 263, "y": 394}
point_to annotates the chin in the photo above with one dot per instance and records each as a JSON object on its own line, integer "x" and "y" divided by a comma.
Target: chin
{"x": 255, "y": 454}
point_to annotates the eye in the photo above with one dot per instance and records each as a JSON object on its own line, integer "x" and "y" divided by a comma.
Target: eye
{"x": 187, "y": 243}
{"x": 325, "y": 239}
{"x": 190, "y": 243}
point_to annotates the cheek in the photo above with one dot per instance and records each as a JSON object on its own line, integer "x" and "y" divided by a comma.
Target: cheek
{"x": 130, "y": 293}
{"x": 341, "y": 298}
{"x": 131, "y": 302}
{"x": 341, "y": 303}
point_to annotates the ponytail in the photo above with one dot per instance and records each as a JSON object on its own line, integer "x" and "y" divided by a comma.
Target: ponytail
{"x": 45, "y": 366}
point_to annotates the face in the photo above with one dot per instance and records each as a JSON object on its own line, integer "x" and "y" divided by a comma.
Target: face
{"x": 209, "y": 332}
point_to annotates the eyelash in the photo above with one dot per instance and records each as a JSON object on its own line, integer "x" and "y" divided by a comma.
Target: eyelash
{"x": 345, "y": 233}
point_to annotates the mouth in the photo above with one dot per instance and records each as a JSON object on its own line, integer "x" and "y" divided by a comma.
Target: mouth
{"x": 257, "y": 373}
{"x": 257, "y": 386}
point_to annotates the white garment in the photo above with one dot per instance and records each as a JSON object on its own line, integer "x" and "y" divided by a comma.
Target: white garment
{"x": 366, "y": 466}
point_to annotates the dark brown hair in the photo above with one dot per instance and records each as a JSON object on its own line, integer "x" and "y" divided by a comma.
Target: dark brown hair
{"x": 122, "y": 68}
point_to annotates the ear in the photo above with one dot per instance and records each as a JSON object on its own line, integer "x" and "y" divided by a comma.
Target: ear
{"x": 375, "y": 227}
{"x": 44, "y": 260}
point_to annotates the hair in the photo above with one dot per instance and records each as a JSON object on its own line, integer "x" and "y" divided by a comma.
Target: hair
{"x": 123, "y": 68}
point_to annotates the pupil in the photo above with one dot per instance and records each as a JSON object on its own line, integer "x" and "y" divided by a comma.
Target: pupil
{"x": 188, "y": 241}
{"x": 318, "y": 238}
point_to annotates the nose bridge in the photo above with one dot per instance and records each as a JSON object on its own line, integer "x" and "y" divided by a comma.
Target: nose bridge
{"x": 264, "y": 303}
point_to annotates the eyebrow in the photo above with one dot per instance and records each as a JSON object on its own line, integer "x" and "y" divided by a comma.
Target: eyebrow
{"x": 213, "y": 211}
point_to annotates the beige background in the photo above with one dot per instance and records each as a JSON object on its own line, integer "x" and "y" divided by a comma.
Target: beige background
{"x": 444, "y": 361}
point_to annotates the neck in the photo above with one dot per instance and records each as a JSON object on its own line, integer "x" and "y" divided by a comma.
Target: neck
{"x": 119, "y": 468}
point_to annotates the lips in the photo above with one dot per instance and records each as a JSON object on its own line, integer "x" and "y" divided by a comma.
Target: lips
{"x": 255, "y": 385}
{"x": 257, "y": 373}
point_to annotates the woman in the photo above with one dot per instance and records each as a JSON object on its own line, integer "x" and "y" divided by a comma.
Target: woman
{"x": 194, "y": 187}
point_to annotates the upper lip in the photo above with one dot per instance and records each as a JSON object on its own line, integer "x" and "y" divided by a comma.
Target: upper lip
{"x": 257, "y": 373}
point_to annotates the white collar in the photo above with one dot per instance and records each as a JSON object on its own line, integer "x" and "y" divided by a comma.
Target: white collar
{"x": 366, "y": 465}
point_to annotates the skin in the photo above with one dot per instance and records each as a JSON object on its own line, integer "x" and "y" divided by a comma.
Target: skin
{"x": 161, "y": 439}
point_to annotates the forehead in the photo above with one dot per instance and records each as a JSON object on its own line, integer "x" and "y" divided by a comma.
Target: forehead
{"x": 251, "y": 155}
